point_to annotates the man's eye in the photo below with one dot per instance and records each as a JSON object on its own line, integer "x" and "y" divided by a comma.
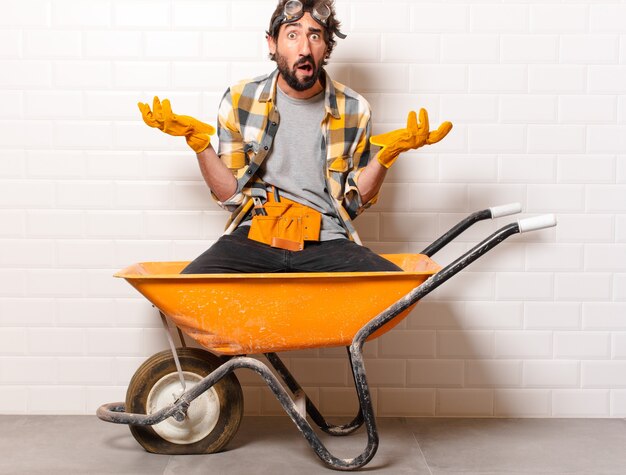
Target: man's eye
{"x": 291, "y": 36}
{"x": 315, "y": 37}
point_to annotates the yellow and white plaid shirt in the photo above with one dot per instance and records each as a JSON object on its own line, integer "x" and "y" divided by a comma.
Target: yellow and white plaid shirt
{"x": 247, "y": 125}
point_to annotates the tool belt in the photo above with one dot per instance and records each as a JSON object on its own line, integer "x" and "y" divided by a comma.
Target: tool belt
{"x": 284, "y": 224}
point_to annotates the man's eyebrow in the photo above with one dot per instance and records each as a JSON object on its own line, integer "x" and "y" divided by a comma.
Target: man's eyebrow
{"x": 299, "y": 25}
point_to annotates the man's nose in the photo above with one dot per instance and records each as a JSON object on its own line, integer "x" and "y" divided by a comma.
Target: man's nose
{"x": 305, "y": 47}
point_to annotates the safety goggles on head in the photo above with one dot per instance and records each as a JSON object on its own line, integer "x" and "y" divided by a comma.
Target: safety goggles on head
{"x": 294, "y": 10}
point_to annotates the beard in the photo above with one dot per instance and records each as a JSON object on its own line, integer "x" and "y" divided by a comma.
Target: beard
{"x": 289, "y": 74}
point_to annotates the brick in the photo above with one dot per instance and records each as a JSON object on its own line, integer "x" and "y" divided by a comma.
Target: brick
{"x": 53, "y": 44}
{"x": 528, "y": 108}
{"x": 440, "y": 18}
{"x": 580, "y": 403}
{"x": 83, "y": 74}
{"x": 370, "y": 16}
{"x": 408, "y": 344}
{"x": 464, "y": 344}
{"x": 524, "y": 286}
{"x": 618, "y": 345}
{"x": 82, "y": 194}
{"x": 620, "y": 228}
{"x": 113, "y": 164}
{"x": 54, "y": 282}
{"x": 527, "y": 344}
{"x": 76, "y": 13}
{"x": 558, "y": 18}
{"x": 27, "y": 194}
{"x": 142, "y": 14}
{"x": 491, "y": 315}
{"x": 439, "y": 78}
{"x": 386, "y": 372}
{"x": 188, "y": 15}
{"x": 380, "y": 77}
{"x": 112, "y": 44}
{"x": 114, "y": 342}
{"x": 111, "y": 105}
{"x": 619, "y": 287}
{"x": 586, "y": 169}
{"x": 56, "y": 341}
{"x": 408, "y": 226}
{"x": 125, "y": 367}
{"x": 465, "y": 402}
{"x": 585, "y": 228}
{"x": 578, "y": 286}
{"x": 470, "y": 108}
{"x": 499, "y": 18}
{"x": 497, "y": 138}
{"x": 10, "y": 43}
{"x": 100, "y": 283}
{"x": 55, "y": 164}
{"x": 141, "y": 195}
{"x": 12, "y": 283}
{"x": 85, "y": 371}
{"x": 603, "y": 374}
{"x": 235, "y": 45}
{"x": 327, "y": 372}
{"x": 556, "y": 139}
{"x": 588, "y": 49}
{"x": 115, "y": 224}
{"x": 556, "y": 198}
{"x": 508, "y": 257}
{"x": 405, "y": 402}
{"x": 32, "y": 14}
{"x": 96, "y": 395}
{"x": 618, "y": 403}
{"x": 47, "y": 105}
{"x": 493, "y": 374}
{"x": 557, "y": 79}
{"x": 498, "y": 79}
{"x": 586, "y": 345}
{"x": 54, "y": 223}
{"x": 606, "y": 198}
{"x": 340, "y": 401}
{"x": 200, "y": 74}
{"x": 14, "y": 400}
{"x": 24, "y": 74}
{"x": 473, "y": 48}
{"x": 85, "y": 312}
{"x": 607, "y": 18}
{"x": 437, "y": 197}
{"x": 532, "y": 49}
{"x": 29, "y": 370}
{"x": 546, "y": 257}
{"x": 586, "y": 109}
{"x": 84, "y": 253}
{"x": 12, "y": 163}
{"x": 368, "y": 226}
{"x": 177, "y": 225}
{"x": 605, "y": 257}
{"x": 552, "y": 315}
{"x": 523, "y": 168}
{"x": 551, "y": 374}
{"x": 14, "y": 223}
{"x": 27, "y": 253}
{"x": 604, "y": 316}
{"x": 606, "y": 139}
{"x": 138, "y": 251}
{"x": 59, "y": 400}
{"x": 436, "y": 315}
{"x": 166, "y": 44}
{"x": 522, "y": 403}
{"x": 468, "y": 285}
{"x": 364, "y": 48}
{"x": 141, "y": 75}
{"x": 435, "y": 373}
{"x": 14, "y": 341}
{"x": 394, "y": 48}
{"x": 136, "y": 313}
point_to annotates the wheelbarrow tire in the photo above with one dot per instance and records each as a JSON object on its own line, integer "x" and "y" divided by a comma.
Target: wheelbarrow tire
{"x": 212, "y": 429}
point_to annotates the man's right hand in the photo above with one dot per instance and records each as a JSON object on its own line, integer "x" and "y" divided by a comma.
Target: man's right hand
{"x": 198, "y": 134}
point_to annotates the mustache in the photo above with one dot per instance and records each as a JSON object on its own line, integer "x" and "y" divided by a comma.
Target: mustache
{"x": 304, "y": 60}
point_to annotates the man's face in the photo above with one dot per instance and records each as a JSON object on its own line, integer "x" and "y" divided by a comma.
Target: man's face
{"x": 299, "y": 52}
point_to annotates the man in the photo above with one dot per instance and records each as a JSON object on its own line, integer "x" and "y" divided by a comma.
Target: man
{"x": 293, "y": 165}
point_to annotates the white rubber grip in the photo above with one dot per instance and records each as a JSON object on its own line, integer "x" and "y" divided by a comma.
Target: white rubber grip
{"x": 505, "y": 210}
{"x": 536, "y": 222}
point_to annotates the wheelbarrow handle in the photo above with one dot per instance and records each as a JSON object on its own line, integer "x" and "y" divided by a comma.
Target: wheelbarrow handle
{"x": 536, "y": 222}
{"x": 463, "y": 225}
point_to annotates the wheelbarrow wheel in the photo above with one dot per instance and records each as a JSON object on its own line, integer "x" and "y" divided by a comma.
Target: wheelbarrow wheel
{"x": 212, "y": 418}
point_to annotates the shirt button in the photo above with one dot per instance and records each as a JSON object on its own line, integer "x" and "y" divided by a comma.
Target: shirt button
{"x": 274, "y": 124}
{"x": 266, "y": 148}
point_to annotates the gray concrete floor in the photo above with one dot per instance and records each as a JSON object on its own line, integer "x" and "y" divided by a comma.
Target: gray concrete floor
{"x": 272, "y": 445}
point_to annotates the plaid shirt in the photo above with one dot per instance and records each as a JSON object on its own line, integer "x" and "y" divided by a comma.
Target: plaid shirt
{"x": 247, "y": 125}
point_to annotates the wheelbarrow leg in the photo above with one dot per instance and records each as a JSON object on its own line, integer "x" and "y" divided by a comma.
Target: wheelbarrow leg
{"x": 311, "y": 409}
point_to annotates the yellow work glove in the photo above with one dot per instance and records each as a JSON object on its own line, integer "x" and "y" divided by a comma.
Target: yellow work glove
{"x": 198, "y": 134}
{"x": 414, "y": 136}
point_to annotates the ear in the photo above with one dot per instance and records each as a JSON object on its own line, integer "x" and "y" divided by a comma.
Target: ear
{"x": 271, "y": 44}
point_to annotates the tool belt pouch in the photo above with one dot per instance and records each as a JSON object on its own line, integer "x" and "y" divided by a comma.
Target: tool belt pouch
{"x": 286, "y": 225}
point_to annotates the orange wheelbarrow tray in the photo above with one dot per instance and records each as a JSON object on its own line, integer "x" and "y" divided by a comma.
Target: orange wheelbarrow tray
{"x": 189, "y": 401}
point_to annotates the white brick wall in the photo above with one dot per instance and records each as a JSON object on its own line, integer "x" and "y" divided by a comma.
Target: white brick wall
{"x": 535, "y": 90}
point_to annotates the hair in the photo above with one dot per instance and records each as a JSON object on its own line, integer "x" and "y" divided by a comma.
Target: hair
{"x": 332, "y": 24}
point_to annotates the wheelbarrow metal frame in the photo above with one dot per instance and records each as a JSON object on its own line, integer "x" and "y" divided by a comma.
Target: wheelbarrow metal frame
{"x": 115, "y": 412}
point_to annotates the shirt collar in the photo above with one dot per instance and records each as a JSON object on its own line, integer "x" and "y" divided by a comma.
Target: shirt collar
{"x": 330, "y": 96}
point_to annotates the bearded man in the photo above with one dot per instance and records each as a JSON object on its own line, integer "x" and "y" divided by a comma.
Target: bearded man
{"x": 293, "y": 164}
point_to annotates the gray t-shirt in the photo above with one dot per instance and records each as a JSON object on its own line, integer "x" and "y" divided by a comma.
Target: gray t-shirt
{"x": 296, "y": 164}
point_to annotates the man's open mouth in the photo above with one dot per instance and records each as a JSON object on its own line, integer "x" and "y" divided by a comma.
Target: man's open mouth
{"x": 305, "y": 68}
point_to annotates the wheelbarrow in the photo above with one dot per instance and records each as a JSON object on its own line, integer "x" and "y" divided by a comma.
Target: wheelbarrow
{"x": 188, "y": 401}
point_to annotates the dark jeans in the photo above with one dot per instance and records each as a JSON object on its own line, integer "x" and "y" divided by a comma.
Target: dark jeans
{"x": 235, "y": 253}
